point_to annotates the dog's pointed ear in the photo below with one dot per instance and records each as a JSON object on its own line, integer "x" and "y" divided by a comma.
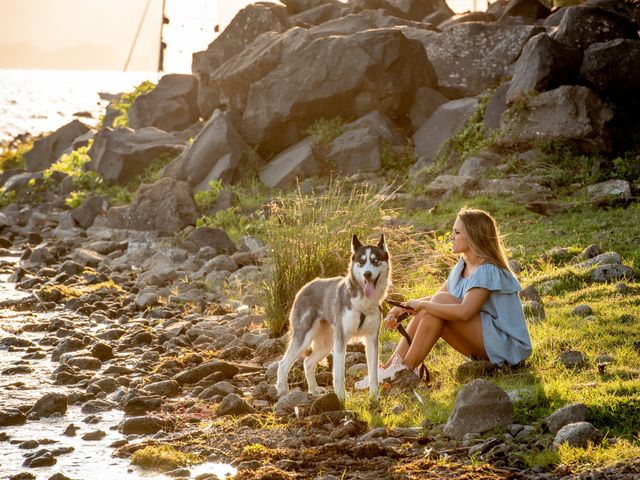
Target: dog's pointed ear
{"x": 355, "y": 243}
{"x": 382, "y": 244}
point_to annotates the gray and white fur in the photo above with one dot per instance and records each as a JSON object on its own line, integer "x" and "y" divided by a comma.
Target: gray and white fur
{"x": 331, "y": 311}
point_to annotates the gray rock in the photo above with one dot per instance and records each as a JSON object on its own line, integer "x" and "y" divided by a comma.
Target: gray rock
{"x": 296, "y": 162}
{"x": 607, "y": 258}
{"x": 85, "y": 363}
{"x": 544, "y": 64}
{"x": 475, "y": 166}
{"x": 69, "y": 344}
{"x": 573, "y": 413}
{"x": 335, "y": 76}
{"x": 215, "y": 154}
{"x": 572, "y": 359}
{"x": 425, "y": 103}
{"x": 533, "y": 311}
{"x": 613, "y": 68}
{"x": 471, "y": 57}
{"x": 196, "y": 374}
{"x": 297, "y": 6}
{"x": 450, "y": 183}
{"x": 215, "y": 238}
{"x": 326, "y": 403}
{"x": 530, "y": 10}
{"x": 582, "y": 26}
{"x": 610, "y": 191}
{"x": 448, "y": 120}
{"x": 288, "y": 403}
{"x": 165, "y": 388}
{"x": 233, "y": 79}
{"x": 42, "y": 458}
{"x": 480, "y": 406}
{"x": 48, "y": 150}
{"x": 241, "y": 31}
{"x": 120, "y": 154}
{"x": 86, "y": 213}
{"x": 141, "y": 404}
{"x": 11, "y": 417}
{"x": 610, "y": 273}
{"x": 579, "y": 434}
{"x": 346, "y": 25}
{"x": 495, "y": 108}
{"x": 582, "y": 310}
{"x": 164, "y": 206}
{"x": 234, "y": 405}
{"x": 170, "y": 106}
{"x": 141, "y": 425}
{"x": 565, "y": 114}
{"x": 321, "y": 13}
{"x": 355, "y": 151}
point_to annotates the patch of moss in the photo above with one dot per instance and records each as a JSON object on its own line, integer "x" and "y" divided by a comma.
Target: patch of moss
{"x": 164, "y": 457}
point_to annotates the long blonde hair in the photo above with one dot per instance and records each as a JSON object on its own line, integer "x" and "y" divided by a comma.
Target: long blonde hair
{"x": 484, "y": 237}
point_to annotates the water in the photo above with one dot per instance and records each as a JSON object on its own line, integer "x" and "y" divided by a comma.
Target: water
{"x": 37, "y": 101}
{"x": 89, "y": 459}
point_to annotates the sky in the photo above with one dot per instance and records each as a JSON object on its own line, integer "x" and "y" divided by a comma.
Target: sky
{"x": 103, "y": 34}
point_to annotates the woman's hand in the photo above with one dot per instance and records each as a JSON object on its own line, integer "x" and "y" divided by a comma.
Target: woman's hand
{"x": 414, "y": 305}
{"x": 391, "y": 320}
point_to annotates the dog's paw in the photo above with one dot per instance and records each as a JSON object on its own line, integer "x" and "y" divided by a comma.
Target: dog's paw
{"x": 317, "y": 391}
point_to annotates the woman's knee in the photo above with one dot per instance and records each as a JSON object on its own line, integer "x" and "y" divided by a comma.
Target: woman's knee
{"x": 444, "y": 297}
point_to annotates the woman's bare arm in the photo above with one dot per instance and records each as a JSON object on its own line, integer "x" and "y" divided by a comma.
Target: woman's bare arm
{"x": 462, "y": 312}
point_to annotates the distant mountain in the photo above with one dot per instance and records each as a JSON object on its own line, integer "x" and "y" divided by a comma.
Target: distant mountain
{"x": 81, "y": 57}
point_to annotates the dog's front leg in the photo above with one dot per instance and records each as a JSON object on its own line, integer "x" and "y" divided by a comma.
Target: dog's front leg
{"x": 371, "y": 349}
{"x": 339, "y": 354}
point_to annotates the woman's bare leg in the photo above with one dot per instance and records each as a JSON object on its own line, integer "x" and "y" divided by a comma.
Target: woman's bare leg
{"x": 465, "y": 337}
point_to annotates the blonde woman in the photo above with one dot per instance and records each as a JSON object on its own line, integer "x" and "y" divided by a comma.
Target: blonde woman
{"x": 477, "y": 311}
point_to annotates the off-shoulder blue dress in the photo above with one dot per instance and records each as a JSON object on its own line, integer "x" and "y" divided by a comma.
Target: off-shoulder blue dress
{"x": 504, "y": 329}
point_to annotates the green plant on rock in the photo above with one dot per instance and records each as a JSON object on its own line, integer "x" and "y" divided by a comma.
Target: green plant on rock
{"x": 123, "y": 104}
{"x": 323, "y": 132}
{"x": 13, "y": 158}
{"x": 396, "y": 159}
{"x": 206, "y": 199}
{"x": 233, "y": 222}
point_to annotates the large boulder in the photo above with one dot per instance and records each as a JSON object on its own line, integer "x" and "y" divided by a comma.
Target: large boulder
{"x": 215, "y": 154}
{"x": 233, "y": 78}
{"x": 426, "y": 101}
{"x": 545, "y": 64}
{"x": 335, "y": 76}
{"x": 171, "y": 106}
{"x": 566, "y": 114}
{"x": 471, "y": 57}
{"x": 530, "y": 10}
{"x": 48, "y": 150}
{"x": 583, "y": 26}
{"x": 297, "y": 6}
{"x": 85, "y": 214}
{"x": 120, "y": 154}
{"x": 243, "y": 29}
{"x": 347, "y": 25}
{"x": 448, "y": 120}
{"x": 320, "y": 14}
{"x": 296, "y": 162}
{"x": 165, "y": 206}
{"x": 480, "y": 406}
{"x": 613, "y": 68}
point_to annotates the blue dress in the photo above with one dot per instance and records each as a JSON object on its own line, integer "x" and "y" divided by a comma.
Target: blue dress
{"x": 504, "y": 330}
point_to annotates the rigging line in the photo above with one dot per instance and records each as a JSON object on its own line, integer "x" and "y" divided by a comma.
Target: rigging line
{"x": 135, "y": 39}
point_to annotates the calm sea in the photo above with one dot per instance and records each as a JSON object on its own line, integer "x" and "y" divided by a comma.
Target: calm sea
{"x": 37, "y": 101}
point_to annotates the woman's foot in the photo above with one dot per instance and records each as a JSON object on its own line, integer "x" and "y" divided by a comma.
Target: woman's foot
{"x": 364, "y": 383}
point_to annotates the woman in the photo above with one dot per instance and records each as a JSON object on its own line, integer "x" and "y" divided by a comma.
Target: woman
{"x": 477, "y": 311}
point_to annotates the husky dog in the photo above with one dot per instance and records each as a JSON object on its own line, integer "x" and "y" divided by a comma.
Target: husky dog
{"x": 331, "y": 311}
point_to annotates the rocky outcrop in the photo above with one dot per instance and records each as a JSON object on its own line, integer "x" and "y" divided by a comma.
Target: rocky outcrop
{"x": 120, "y": 154}
{"x": 243, "y": 29}
{"x": 170, "y": 106}
{"x": 335, "y": 76}
{"x": 572, "y": 114}
{"x": 471, "y": 57}
{"x": 48, "y": 150}
{"x": 216, "y": 153}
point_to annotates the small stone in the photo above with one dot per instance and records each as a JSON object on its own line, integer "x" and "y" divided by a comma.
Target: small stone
{"x": 572, "y": 359}
{"x": 582, "y": 310}
{"x": 578, "y": 434}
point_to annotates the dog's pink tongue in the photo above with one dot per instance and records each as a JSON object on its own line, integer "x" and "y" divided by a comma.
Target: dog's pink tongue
{"x": 369, "y": 290}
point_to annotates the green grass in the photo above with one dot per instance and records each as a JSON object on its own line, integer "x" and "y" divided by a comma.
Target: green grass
{"x": 163, "y": 457}
{"x": 13, "y": 158}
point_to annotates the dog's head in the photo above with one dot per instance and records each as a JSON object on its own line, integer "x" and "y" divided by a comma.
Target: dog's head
{"x": 370, "y": 266}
